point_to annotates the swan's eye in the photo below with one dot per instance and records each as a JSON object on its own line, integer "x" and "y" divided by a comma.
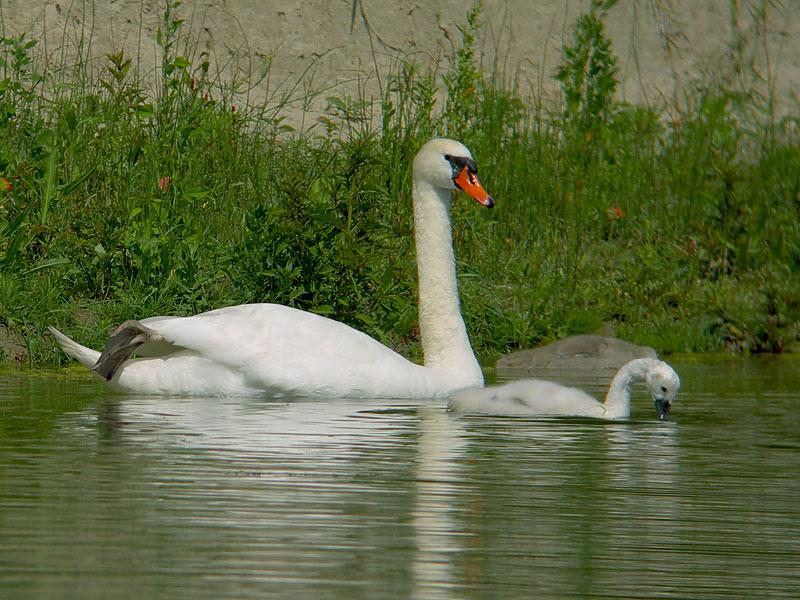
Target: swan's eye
{"x": 448, "y": 158}
{"x": 664, "y": 389}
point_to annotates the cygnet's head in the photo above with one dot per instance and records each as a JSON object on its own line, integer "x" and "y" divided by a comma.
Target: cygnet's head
{"x": 663, "y": 383}
{"x": 448, "y": 164}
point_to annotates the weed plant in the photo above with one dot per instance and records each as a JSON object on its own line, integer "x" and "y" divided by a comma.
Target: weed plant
{"x": 680, "y": 229}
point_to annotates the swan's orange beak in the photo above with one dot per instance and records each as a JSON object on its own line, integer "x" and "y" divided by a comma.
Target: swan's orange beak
{"x": 469, "y": 184}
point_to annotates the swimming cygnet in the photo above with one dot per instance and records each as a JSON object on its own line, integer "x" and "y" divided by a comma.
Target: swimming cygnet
{"x": 546, "y": 398}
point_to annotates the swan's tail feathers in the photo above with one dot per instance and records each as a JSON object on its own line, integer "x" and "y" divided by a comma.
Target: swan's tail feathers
{"x": 122, "y": 343}
{"x": 86, "y": 356}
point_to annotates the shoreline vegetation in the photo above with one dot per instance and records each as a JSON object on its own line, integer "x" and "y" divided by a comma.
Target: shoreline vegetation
{"x": 678, "y": 227}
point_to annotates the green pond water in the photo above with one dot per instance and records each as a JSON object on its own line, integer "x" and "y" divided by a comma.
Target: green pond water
{"x": 135, "y": 497}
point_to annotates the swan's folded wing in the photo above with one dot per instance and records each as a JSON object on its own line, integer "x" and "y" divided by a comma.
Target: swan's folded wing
{"x": 287, "y": 351}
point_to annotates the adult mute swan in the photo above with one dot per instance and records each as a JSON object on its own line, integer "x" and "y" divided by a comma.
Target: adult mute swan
{"x": 545, "y": 398}
{"x": 277, "y": 351}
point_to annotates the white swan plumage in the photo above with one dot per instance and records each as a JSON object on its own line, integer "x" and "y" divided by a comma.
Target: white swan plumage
{"x": 278, "y": 351}
{"x": 537, "y": 397}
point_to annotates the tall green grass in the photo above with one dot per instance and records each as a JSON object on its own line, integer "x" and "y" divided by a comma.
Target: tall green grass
{"x": 679, "y": 228}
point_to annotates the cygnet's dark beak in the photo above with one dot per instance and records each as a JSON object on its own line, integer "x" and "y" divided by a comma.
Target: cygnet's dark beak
{"x": 662, "y": 407}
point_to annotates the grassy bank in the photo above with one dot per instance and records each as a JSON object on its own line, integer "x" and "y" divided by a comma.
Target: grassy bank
{"x": 678, "y": 225}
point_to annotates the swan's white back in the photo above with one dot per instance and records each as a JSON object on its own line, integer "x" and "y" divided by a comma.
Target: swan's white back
{"x": 278, "y": 351}
{"x": 294, "y": 353}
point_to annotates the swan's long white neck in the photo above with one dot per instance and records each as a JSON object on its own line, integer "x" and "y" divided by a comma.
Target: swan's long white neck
{"x": 444, "y": 336}
{"x": 618, "y": 398}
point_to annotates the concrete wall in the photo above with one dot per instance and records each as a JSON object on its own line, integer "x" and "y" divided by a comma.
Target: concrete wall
{"x": 338, "y": 46}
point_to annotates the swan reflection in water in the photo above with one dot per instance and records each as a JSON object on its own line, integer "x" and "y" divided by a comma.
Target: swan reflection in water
{"x": 409, "y": 488}
{"x": 439, "y": 482}
{"x": 555, "y": 504}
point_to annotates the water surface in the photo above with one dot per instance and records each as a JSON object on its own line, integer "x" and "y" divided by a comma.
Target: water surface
{"x": 135, "y": 497}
